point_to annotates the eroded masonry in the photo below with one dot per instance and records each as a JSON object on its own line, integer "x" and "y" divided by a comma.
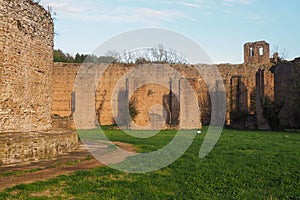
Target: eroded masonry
{"x": 32, "y": 88}
{"x": 239, "y": 81}
{"x": 26, "y": 54}
{"x": 246, "y": 87}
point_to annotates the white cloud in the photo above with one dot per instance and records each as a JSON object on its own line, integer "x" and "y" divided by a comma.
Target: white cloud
{"x": 61, "y": 6}
{"x": 239, "y": 1}
{"x": 91, "y": 11}
{"x": 188, "y": 4}
{"x": 151, "y": 14}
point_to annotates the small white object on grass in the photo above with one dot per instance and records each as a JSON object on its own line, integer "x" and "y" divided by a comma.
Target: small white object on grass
{"x": 199, "y": 131}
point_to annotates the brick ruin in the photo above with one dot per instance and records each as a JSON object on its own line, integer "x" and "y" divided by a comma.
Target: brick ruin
{"x": 239, "y": 81}
{"x": 246, "y": 86}
{"x": 257, "y": 53}
{"x": 26, "y": 63}
{"x": 264, "y": 89}
{"x": 32, "y": 88}
{"x": 286, "y": 90}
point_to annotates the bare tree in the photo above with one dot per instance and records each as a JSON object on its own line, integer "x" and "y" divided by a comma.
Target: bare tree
{"x": 114, "y": 54}
{"x": 281, "y": 53}
{"x": 156, "y": 54}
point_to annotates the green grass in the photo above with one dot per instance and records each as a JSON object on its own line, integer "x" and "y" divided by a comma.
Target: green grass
{"x": 243, "y": 165}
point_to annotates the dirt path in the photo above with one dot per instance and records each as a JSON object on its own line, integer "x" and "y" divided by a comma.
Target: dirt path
{"x": 81, "y": 159}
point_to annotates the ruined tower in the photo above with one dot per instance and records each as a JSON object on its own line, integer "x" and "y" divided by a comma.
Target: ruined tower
{"x": 26, "y": 54}
{"x": 257, "y": 53}
{"x": 26, "y": 65}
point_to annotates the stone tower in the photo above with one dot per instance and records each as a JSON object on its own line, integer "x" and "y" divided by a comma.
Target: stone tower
{"x": 257, "y": 53}
{"x": 26, "y": 62}
{"x": 26, "y": 65}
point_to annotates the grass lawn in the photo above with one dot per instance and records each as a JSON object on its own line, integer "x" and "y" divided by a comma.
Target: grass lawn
{"x": 243, "y": 165}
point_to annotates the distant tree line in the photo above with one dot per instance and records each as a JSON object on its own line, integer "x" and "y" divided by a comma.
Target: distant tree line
{"x": 60, "y": 56}
{"x": 156, "y": 54}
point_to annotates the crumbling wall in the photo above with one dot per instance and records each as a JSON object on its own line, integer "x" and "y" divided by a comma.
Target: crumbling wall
{"x": 257, "y": 53}
{"x": 240, "y": 95}
{"x": 26, "y": 54}
{"x": 64, "y": 75}
{"x": 264, "y": 89}
{"x": 239, "y": 84}
{"x": 163, "y": 98}
{"x": 63, "y": 80}
{"x": 144, "y": 98}
{"x": 107, "y": 84}
{"x": 26, "y": 63}
{"x": 85, "y": 95}
{"x": 285, "y": 73}
{"x": 34, "y": 146}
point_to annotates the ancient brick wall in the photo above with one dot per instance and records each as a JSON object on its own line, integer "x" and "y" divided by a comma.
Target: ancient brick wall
{"x": 104, "y": 94}
{"x": 63, "y": 80}
{"x": 166, "y": 100}
{"x": 264, "y": 89}
{"x": 26, "y": 53}
{"x": 285, "y": 73}
{"x": 20, "y": 147}
{"x": 240, "y": 94}
{"x": 145, "y": 97}
{"x": 257, "y": 53}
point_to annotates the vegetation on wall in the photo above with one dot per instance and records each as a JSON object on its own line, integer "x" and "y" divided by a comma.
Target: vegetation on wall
{"x": 271, "y": 112}
{"x": 133, "y": 112}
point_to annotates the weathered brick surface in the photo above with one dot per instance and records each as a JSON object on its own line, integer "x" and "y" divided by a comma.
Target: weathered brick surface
{"x": 26, "y": 63}
{"x": 33, "y": 146}
{"x": 26, "y": 43}
{"x": 264, "y": 89}
{"x": 64, "y": 75}
{"x": 154, "y": 95}
{"x": 105, "y": 88}
{"x": 257, "y": 52}
{"x": 63, "y": 80}
{"x": 284, "y": 74}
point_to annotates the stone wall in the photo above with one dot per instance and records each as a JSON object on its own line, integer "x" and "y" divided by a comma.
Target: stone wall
{"x": 26, "y": 53}
{"x": 26, "y": 64}
{"x": 104, "y": 92}
{"x": 145, "y": 97}
{"x": 34, "y": 146}
{"x": 63, "y": 80}
{"x": 285, "y": 73}
{"x": 239, "y": 82}
{"x": 264, "y": 89}
{"x": 257, "y": 52}
{"x": 151, "y": 101}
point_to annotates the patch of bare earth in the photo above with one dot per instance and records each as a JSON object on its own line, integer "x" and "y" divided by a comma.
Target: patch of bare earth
{"x": 81, "y": 159}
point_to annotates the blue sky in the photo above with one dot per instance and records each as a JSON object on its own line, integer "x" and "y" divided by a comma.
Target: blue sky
{"x": 221, "y": 27}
